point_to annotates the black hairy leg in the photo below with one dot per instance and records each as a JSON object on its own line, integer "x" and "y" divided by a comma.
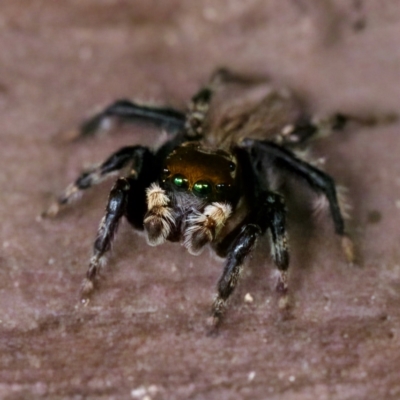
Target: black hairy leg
{"x": 275, "y": 214}
{"x": 127, "y": 111}
{"x": 240, "y": 249}
{"x": 265, "y": 151}
{"x": 127, "y": 198}
{"x": 130, "y": 156}
{"x": 270, "y": 213}
{"x": 115, "y": 209}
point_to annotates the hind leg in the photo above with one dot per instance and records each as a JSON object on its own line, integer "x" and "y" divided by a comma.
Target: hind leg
{"x": 281, "y": 158}
{"x": 128, "y": 111}
{"x": 307, "y": 129}
{"x": 196, "y": 116}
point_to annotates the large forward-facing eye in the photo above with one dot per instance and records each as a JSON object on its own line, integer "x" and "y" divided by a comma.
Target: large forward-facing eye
{"x": 202, "y": 188}
{"x": 180, "y": 181}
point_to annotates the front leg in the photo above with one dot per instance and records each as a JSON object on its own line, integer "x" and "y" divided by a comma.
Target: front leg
{"x": 115, "y": 209}
{"x": 270, "y": 213}
{"x": 240, "y": 249}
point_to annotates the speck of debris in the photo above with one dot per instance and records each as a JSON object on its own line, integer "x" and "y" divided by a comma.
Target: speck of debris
{"x": 138, "y": 392}
{"x": 248, "y": 298}
{"x": 374, "y": 216}
{"x": 292, "y": 378}
{"x": 359, "y": 25}
{"x": 144, "y": 393}
{"x": 251, "y": 376}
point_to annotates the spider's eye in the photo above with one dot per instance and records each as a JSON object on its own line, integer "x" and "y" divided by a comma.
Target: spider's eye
{"x": 165, "y": 173}
{"x": 180, "y": 181}
{"x": 222, "y": 187}
{"x": 202, "y": 188}
{"x": 232, "y": 166}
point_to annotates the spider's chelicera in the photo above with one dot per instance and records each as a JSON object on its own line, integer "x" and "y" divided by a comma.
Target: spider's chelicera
{"x": 215, "y": 181}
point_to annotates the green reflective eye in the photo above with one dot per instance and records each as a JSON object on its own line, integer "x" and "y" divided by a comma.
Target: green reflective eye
{"x": 202, "y": 188}
{"x": 180, "y": 181}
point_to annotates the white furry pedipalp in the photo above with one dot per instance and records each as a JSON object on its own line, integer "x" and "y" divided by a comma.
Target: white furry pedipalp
{"x": 159, "y": 218}
{"x": 204, "y": 227}
{"x": 156, "y": 196}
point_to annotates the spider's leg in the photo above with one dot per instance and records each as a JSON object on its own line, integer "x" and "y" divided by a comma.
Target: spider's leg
{"x": 307, "y": 129}
{"x": 131, "y": 155}
{"x": 115, "y": 209}
{"x": 196, "y": 116}
{"x": 264, "y": 151}
{"x": 239, "y": 250}
{"x": 269, "y": 213}
{"x": 224, "y": 75}
{"x": 197, "y": 112}
{"x": 276, "y": 217}
{"x": 127, "y": 111}
{"x": 127, "y": 198}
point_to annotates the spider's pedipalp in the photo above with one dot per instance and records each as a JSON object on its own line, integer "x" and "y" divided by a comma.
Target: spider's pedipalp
{"x": 204, "y": 227}
{"x": 159, "y": 219}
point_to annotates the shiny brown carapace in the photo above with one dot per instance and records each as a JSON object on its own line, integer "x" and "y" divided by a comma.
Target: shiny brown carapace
{"x": 196, "y": 167}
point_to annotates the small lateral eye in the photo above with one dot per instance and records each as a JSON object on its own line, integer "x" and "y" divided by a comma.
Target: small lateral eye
{"x": 180, "y": 181}
{"x": 165, "y": 173}
{"x": 202, "y": 188}
{"x": 232, "y": 166}
{"x": 222, "y": 187}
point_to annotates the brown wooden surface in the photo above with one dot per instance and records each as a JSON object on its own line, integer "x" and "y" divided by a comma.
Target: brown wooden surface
{"x": 144, "y": 332}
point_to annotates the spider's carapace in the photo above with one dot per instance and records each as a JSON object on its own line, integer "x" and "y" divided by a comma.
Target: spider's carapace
{"x": 206, "y": 173}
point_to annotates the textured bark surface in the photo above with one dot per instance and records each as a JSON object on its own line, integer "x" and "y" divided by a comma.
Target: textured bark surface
{"x": 143, "y": 335}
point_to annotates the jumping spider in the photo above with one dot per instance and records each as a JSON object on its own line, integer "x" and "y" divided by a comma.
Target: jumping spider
{"x": 215, "y": 181}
